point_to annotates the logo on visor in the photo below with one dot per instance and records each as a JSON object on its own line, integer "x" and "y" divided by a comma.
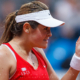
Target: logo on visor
{"x": 49, "y": 13}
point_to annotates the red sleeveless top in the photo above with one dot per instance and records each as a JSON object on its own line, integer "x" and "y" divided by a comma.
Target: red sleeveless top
{"x": 25, "y": 71}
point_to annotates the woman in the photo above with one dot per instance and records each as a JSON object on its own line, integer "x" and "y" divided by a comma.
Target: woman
{"x": 26, "y": 29}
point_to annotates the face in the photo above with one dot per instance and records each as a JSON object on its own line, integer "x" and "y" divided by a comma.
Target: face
{"x": 39, "y": 36}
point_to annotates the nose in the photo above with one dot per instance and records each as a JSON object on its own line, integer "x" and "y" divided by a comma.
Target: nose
{"x": 49, "y": 33}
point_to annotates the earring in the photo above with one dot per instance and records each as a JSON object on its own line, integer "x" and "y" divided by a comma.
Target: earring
{"x": 27, "y": 31}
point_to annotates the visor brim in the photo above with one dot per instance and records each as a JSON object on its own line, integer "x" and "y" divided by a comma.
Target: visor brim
{"x": 50, "y": 22}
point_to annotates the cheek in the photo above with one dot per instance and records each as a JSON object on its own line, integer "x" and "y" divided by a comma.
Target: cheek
{"x": 38, "y": 37}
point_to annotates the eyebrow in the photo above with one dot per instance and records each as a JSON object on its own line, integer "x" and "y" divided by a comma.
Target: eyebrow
{"x": 45, "y": 27}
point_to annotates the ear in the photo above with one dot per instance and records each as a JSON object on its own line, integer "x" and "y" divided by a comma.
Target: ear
{"x": 26, "y": 27}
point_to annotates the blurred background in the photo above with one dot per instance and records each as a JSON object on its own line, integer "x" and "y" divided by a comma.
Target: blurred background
{"x": 62, "y": 44}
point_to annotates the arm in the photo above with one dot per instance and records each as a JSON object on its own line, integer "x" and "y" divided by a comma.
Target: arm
{"x": 4, "y": 67}
{"x": 72, "y": 73}
{"x": 51, "y": 72}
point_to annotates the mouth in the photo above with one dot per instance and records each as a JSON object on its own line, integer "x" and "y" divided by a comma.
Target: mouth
{"x": 46, "y": 40}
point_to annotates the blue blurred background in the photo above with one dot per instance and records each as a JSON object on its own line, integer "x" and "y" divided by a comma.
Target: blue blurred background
{"x": 62, "y": 44}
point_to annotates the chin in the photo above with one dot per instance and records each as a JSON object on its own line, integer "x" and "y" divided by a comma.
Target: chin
{"x": 44, "y": 47}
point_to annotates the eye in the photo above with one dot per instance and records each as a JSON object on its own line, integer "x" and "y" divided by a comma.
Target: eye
{"x": 45, "y": 28}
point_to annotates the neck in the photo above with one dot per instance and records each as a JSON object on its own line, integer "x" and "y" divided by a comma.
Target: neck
{"x": 22, "y": 44}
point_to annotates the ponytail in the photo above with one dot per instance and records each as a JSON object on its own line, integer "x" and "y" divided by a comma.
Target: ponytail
{"x": 7, "y": 34}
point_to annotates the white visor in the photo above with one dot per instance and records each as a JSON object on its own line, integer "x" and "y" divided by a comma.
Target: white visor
{"x": 43, "y": 17}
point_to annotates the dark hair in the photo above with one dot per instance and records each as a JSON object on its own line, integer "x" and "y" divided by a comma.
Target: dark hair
{"x": 15, "y": 29}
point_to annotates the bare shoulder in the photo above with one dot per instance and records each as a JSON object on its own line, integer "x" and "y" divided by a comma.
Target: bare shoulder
{"x": 40, "y": 50}
{"x": 4, "y": 55}
{"x": 4, "y": 52}
{"x": 4, "y": 63}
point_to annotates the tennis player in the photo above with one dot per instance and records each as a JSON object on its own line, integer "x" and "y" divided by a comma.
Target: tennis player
{"x": 26, "y": 29}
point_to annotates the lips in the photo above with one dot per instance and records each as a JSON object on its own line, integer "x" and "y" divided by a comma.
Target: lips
{"x": 46, "y": 39}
